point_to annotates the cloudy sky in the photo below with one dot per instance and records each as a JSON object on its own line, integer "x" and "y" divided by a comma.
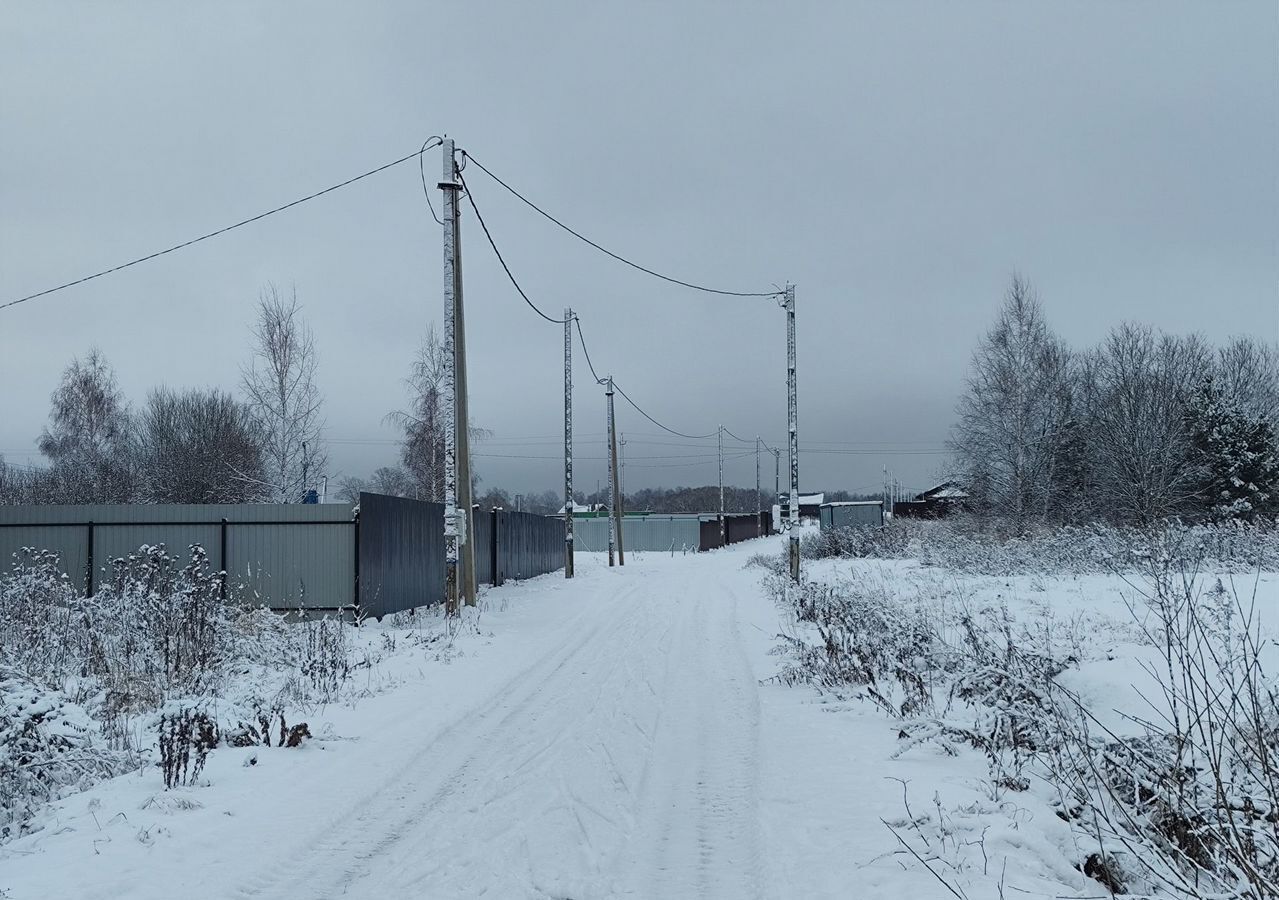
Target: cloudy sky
{"x": 895, "y": 161}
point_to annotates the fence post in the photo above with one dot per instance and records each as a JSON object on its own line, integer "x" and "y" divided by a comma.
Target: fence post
{"x": 494, "y": 556}
{"x": 356, "y": 587}
{"x": 88, "y": 575}
{"x": 222, "y": 558}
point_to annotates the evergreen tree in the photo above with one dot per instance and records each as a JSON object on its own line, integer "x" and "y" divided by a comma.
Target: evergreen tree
{"x": 1235, "y": 455}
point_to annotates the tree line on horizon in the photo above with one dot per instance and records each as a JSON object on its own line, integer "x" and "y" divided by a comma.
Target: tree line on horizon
{"x": 1143, "y": 427}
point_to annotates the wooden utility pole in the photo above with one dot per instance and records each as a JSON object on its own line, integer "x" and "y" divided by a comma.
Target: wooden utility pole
{"x": 568, "y": 443}
{"x": 453, "y": 522}
{"x": 792, "y": 416}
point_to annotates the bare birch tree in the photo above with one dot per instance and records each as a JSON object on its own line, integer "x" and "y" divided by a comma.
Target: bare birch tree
{"x": 422, "y": 424}
{"x": 279, "y": 385}
{"x": 1138, "y": 399}
{"x": 1012, "y": 419}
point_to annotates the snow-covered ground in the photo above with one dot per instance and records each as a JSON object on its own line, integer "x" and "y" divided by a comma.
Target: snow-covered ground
{"x": 617, "y": 735}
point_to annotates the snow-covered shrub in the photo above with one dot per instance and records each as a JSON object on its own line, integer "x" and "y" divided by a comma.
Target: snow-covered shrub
{"x": 82, "y": 679}
{"x": 870, "y": 641}
{"x": 961, "y": 544}
{"x": 186, "y": 737}
{"x": 1183, "y": 800}
{"x": 1191, "y": 800}
{"x": 326, "y": 660}
{"x": 49, "y": 746}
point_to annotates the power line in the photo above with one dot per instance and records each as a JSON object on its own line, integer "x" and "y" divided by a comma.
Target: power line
{"x": 582, "y": 340}
{"x": 694, "y": 437}
{"x": 211, "y": 234}
{"x": 533, "y": 306}
{"x": 621, "y": 259}
{"x": 426, "y": 192}
{"x": 736, "y": 438}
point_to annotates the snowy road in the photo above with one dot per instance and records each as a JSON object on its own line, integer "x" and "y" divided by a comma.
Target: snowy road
{"x": 622, "y": 762}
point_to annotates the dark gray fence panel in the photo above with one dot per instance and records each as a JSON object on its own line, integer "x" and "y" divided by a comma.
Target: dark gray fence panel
{"x": 401, "y": 561}
{"x": 844, "y": 515}
{"x": 483, "y": 547}
{"x": 528, "y": 545}
{"x": 741, "y": 527}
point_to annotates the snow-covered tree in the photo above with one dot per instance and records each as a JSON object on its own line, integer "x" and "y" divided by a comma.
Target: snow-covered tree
{"x": 1012, "y": 418}
{"x": 200, "y": 446}
{"x": 279, "y": 384}
{"x": 422, "y": 424}
{"x": 1236, "y": 459}
{"x": 88, "y": 439}
{"x": 1140, "y": 386}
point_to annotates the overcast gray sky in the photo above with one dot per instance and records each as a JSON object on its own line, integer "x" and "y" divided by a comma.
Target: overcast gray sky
{"x": 896, "y": 161}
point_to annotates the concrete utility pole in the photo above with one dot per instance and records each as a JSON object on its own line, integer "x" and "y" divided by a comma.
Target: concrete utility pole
{"x": 568, "y": 443}
{"x": 777, "y": 476}
{"x": 723, "y": 537}
{"x": 614, "y": 521}
{"x": 621, "y": 504}
{"x": 758, "y": 499}
{"x": 452, "y": 519}
{"x": 792, "y": 415}
{"x": 465, "y": 502}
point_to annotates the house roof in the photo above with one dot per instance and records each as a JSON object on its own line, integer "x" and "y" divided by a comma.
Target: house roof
{"x": 854, "y": 503}
{"x": 947, "y": 490}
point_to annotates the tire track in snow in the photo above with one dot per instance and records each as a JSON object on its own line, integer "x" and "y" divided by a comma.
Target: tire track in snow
{"x": 330, "y": 857}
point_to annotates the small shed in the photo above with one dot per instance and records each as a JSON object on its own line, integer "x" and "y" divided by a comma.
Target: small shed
{"x": 848, "y": 513}
{"x": 810, "y": 506}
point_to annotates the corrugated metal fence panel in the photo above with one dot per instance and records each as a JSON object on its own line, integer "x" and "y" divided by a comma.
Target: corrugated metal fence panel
{"x": 483, "y": 539}
{"x": 639, "y": 533}
{"x": 401, "y": 554}
{"x": 741, "y": 528}
{"x": 844, "y": 515}
{"x": 195, "y": 513}
{"x": 294, "y": 566}
{"x": 528, "y": 545}
{"x": 70, "y": 542}
{"x": 115, "y": 541}
{"x": 290, "y": 555}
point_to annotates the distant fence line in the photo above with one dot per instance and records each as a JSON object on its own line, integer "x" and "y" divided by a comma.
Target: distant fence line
{"x": 675, "y": 532}
{"x": 387, "y": 557}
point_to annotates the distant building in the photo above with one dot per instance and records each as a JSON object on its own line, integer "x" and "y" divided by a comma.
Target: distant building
{"x": 942, "y": 500}
{"x": 847, "y": 513}
{"x": 810, "y": 507}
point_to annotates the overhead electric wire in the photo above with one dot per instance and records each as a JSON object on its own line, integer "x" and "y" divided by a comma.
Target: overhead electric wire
{"x": 692, "y": 437}
{"x": 533, "y": 306}
{"x": 211, "y": 234}
{"x": 736, "y": 438}
{"x": 607, "y": 252}
{"x": 582, "y": 340}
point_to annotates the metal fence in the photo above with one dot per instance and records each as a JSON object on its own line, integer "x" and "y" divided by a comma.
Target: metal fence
{"x": 674, "y": 532}
{"x": 287, "y": 557}
{"x": 850, "y": 513}
{"x": 305, "y": 557}
{"x": 640, "y": 533}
